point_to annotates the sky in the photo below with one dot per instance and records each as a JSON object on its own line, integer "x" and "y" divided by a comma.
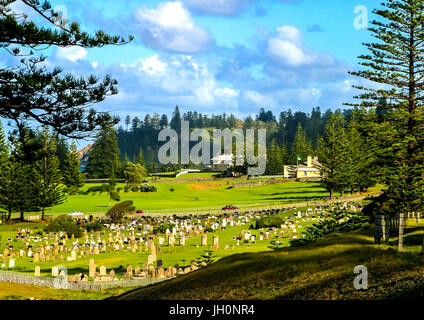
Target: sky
{"x": 216, "y": 56}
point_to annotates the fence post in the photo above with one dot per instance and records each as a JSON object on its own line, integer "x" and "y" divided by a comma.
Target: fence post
{"x": 401, "y": 229}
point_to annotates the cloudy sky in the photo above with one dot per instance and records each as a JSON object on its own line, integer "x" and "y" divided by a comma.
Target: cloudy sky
{"x": 216, "y": 56}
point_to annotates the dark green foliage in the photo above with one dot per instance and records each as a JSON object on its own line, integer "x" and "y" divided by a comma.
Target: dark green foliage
{"x": 103, "y": 159}
{"x": 336, "y": 220}
{"x": 32, "y": 92}
{"x": 66, "y": 224}
{"x": 161, "y": 228}
{"x": 72, "y": 176}
{"x": 119, "y": 210}
{"x": 109, "y": 188}
{"x": 274, "y": 160}
{"x": 48, "y": 178}
{"x": 134, "y": 174}
{"x": 147, "y": 188}
{"x": 208, "y": 257}
{"x": 93, "y": 226}
{"x": 302, "y": 146}
{"x": 269, "y": 222}
{"x": 396, "y": 62}
{"x": 144, "y": 135}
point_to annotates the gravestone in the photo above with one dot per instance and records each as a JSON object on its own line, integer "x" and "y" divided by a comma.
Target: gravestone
{"x": 182, "y": 240}
{"x": 150, "y": 259}
{"x": 171, "y": 240}
{"x": 204, "y": 240}
{"x": 129, "y": 269}
{"x": 55, "y": 271}
{"x": 215, "y": 242}
{"x": 37, "y": 271}
{"x": 102, "y": 271}
{"x": 91, "y": 268}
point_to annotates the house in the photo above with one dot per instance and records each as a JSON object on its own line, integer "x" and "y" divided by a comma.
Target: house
{"x": 304, "y": 170}
{"x": 221, "y": 162}
{"x": 308, "y": 169}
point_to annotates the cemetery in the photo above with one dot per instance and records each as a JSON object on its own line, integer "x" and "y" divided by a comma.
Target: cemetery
{"x": 145, "y": 250}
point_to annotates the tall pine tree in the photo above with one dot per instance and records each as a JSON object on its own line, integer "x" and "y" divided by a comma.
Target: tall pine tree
{"x": 103, "y": 158}
{"x": 73, "y": 178}
{"x": 48, "y": 177}
{"x": 396, "y": 61}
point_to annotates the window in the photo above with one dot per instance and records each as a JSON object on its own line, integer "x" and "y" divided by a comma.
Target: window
{"x": 305, "y": 173}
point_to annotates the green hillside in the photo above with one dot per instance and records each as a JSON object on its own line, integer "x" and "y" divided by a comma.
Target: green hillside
{"x": 322, "y": 270}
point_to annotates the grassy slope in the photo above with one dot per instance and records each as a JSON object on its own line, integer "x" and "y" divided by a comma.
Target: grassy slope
{"x": 12, "y": 291}
{"x": 185, "y": 197}
{"x": 322, "y": 270}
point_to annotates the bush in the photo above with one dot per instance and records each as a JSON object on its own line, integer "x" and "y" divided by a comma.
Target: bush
{"x": 119, "y": 210}
{"x": 338, "y": 220}
{"x": 269, "y": 222}
{"x": 134, "y": 188}
{"x": 147, "y": 188}
{"x": 93, "y": 226}
{"x": 161, "y": 228}
{"x": 66, "y": 224}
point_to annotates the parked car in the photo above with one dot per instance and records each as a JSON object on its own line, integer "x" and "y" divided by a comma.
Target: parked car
{"x": 139, "y": 212}
{"x": 230, "y": 208}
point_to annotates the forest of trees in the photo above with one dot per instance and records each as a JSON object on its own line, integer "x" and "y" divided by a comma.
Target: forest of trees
{"x": 295, "y": 134}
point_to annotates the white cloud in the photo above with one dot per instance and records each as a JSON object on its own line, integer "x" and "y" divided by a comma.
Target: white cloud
{"x": 287, "y": 48}
{"x": 179, "y": 79}
{"x": 71, "y": 53}
{"x": 217, "y": 7}
{"x": 170, "y": 27}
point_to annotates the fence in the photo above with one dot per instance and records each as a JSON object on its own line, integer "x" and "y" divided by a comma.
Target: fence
{"x": 22, "y": 278}
{"x": 386, "y": 224}
{"x": 253, "y": 207}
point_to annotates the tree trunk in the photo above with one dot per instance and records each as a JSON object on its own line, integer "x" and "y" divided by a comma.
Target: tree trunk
{"x": 331, "y": 194}
{"x": 43, "y": 212}
{"x": 22, "y": 216}
{"x": 342, "y": 192}
{"x": 9, "y": 216}
{"x": 401, "y": 230}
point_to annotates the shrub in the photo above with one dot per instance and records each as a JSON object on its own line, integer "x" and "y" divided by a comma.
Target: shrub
{"x": 119, "y": 210}
{"x": 161, "y": 228}
{"x": 66, "y": 224}
{"x": 147, "y": 188}
{"x": 269, "y": 222}
{"x": 93, "y": 226}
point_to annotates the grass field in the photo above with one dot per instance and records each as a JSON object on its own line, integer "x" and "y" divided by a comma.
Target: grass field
{"x": 318, "y": 271}
{"x": 211, "y": 195}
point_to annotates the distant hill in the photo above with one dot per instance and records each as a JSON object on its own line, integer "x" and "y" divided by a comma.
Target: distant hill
{"x": 83, "y": 155}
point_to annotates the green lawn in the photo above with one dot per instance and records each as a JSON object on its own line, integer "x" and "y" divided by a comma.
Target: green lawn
{"x": 214, "y": 195}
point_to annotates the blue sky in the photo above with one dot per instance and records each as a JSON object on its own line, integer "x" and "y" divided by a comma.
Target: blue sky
{"x": 216, "y": 56}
